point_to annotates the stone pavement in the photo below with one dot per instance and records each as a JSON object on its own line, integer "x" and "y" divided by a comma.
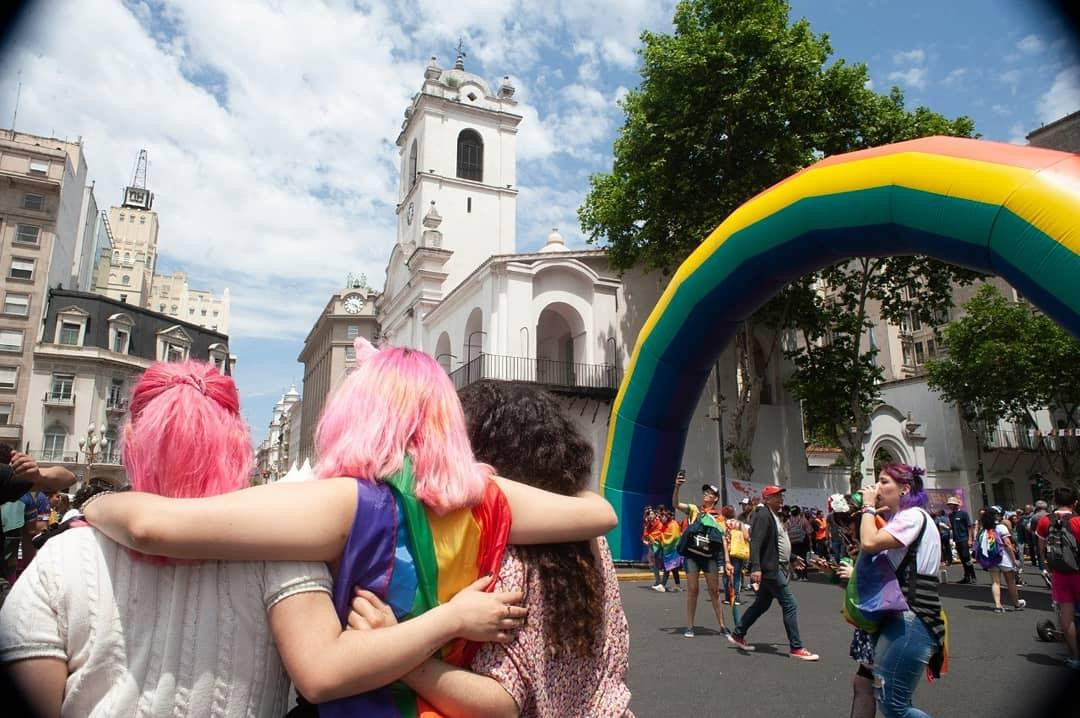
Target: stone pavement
{"x": 997, "y": 667}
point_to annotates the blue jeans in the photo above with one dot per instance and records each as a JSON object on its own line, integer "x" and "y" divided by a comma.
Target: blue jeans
{"x": 736, "y": 574}
{"x": 904, "y": 646}
{"x": 780, "y": 590}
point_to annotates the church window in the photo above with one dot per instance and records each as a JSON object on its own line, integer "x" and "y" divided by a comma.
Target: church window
{"x": 412, "y": 164}
{"x": 468, "y": 204}
{"x": 470, "y": 156}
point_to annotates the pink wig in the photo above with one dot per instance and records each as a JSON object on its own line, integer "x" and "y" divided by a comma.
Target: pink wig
{"x": 397, "y": 402}
{"x": 186, "y": 438}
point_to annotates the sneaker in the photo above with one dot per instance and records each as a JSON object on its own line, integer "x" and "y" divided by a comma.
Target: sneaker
{"x": 1073, "y": 663}
{"x": 739, "y": 642}
{"x": 727, "y": 602}
{"x": 803, "y": 655}
{"x": 738, "y": 603}
{"x": 689, "y": 633}
{"x": 1020, "y": 605}
{"x": 659, "y": 589}
{"x": 999, "y": 609}
{"x": 673, "y": 589}
{"x": 724, "y": 631}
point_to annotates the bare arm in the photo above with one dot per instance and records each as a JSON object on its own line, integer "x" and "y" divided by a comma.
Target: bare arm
{"x": 52, "y": 478}
{"x": 303, "y": 521}
{"x": 685, "y": 508}
{"x": 543, "y": 517}
{"x": 327, "y": 663}
{"x": 460, "y": 693}
{"x": 42, "y": 682}
{"x": 873, "y": 539}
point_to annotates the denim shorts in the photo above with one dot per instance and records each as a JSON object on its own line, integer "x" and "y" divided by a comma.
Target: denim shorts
{"x": 705, "y": 565}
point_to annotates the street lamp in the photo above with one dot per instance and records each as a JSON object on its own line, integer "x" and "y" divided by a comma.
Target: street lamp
{"x": 717, "y": 414}
{"x": 93, "y": 444}
{"x": 975, "y": 424}
{"x": 438, "y": 359}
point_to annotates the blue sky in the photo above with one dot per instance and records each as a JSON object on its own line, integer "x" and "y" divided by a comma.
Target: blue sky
{"x": 270, "y": 126}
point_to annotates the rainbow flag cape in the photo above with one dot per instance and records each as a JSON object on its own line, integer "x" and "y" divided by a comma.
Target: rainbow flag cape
{"x": 414, "y": 560}
{"x": 650, "y": 536}
{"x": 668, "y": 548}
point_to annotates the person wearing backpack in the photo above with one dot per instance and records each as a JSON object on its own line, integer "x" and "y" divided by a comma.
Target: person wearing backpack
{"x": 1059, "y": 536}
{"x": 702, "y": 544}
{"x": 995, "y": 552}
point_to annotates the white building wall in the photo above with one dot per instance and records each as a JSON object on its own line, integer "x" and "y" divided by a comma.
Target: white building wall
{"x": 68, "y": 215}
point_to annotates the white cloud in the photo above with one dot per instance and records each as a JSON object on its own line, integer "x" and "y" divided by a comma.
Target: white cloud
{"x": 913, "y": 77}
{"x": 271, "y": 128}
{"x": 910, "y": 57}
{"x": 1002, "y": 110}
{"x": 1031, "y": 45}
{"x": 955, "y": 78}
{"x": 1011, "y": 79}
{"x": 1063, "y": 97}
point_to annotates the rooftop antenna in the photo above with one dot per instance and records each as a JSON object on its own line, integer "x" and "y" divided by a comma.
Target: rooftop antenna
{"x": 18, "y": 94}
{"x": 139, "y": 180}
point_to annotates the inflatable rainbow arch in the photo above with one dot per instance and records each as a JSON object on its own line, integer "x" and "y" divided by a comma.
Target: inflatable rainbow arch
{"x": 1010, "y": 210}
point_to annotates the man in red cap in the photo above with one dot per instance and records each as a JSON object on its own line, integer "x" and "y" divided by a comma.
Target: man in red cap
{"x": 770, "y": 556}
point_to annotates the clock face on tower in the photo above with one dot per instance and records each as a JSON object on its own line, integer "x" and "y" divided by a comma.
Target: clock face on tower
{"x": 354, "y": 303}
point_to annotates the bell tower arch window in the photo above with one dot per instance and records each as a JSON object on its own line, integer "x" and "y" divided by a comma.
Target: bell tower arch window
{"x": 411, "y": 167}
{"x": 470, "y": 156}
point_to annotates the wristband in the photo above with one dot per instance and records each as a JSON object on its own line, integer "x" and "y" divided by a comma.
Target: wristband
{"x": 82, "y": 508}
{"x": 869, "y": 510}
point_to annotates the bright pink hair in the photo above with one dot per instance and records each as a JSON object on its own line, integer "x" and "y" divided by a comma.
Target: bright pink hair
{"x": 396, "y": 402}
{"x": 186, "y": 438}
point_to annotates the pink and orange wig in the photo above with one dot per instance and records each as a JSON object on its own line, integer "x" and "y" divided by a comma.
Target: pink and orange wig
{"x": 186, "y": 438}
{"x": 395, "y": 402}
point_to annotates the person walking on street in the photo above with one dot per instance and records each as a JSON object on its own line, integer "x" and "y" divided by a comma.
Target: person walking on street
{"x": 1059, "y": 536}
{"x": 962, "y": 536}
{"x": 999, "y": 561}
{"x": 770, "y": 555}
{"x": 712, "y": 523}
{"x": 800, "y": 532}
{"x": 1041, "y": 509}
{"x": 738, "y": 550}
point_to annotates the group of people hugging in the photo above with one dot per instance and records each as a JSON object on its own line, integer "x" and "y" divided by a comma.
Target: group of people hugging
{"x": 442, "y": 562}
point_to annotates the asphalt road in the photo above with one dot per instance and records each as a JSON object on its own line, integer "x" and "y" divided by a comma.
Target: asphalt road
{"x": 997, "y": 667}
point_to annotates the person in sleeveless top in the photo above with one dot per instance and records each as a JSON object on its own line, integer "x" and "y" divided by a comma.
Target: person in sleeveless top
{"x": 912, "y": 642}
{"x": 396, "y": 415}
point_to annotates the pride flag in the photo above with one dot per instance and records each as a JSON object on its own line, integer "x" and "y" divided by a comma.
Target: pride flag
{"x": 669, "y": 543}
{"x": 414, "y": 560}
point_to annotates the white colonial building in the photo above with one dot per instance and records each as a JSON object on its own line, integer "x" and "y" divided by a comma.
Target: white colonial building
{"x": 457, "y": 287}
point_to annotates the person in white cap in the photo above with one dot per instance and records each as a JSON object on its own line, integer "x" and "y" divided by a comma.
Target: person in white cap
{"x": 963, "y": 535}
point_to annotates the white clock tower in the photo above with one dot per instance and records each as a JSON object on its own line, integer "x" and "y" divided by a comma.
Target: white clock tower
{"x": 458, "y": 158}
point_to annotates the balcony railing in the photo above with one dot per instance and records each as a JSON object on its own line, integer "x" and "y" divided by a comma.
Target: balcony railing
{"x": 53, "y": 398}
{"x": 116, "y": 404}
{"x": 74, "y": 456}
{"x": 1030, "y": 439}
{"x": 602, "y": 379}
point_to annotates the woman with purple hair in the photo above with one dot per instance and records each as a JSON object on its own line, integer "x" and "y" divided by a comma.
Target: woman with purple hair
{"x": 911, "y": 641}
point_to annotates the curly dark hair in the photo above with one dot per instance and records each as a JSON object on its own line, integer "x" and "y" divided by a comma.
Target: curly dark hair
{"x": 521, "y": 431}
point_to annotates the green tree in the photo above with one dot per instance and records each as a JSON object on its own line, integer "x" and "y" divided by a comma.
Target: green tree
{"x": 734, "y": 100}
{"x": 1007, "y": 361}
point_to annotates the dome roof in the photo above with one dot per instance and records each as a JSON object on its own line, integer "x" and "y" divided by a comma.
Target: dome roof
{"x": 555, "y": 242}
{"x": 457, "y": 77}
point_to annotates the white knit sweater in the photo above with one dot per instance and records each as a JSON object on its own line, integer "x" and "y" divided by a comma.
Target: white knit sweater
{"x": 146, "y": 639}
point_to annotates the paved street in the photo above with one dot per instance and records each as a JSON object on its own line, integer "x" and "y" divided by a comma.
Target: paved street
{"x": 997, "y": 666}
